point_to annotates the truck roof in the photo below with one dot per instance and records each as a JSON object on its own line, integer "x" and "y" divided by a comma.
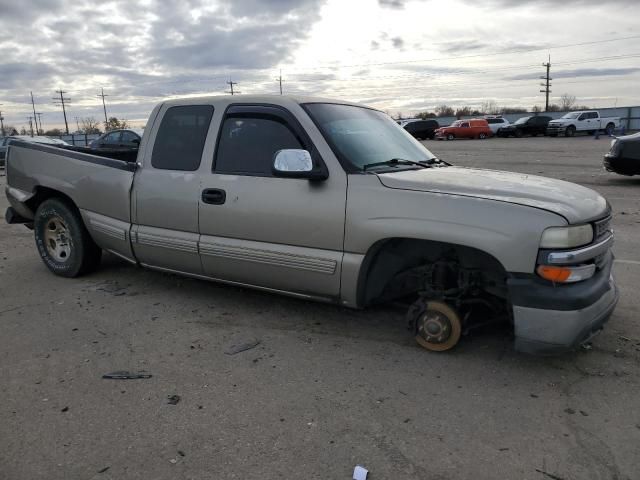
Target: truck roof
{"x": 274, "y": 99}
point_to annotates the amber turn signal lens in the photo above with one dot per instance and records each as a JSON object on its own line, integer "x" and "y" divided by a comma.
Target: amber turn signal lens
{"x": 554, "y": 274}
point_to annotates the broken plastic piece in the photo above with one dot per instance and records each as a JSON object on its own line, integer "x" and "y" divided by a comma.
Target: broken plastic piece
{"x": 124, "y": 375}
{"x": 173, "y": 399}
{"x": 241, "y": 347}
{"x": 360, "y": 473}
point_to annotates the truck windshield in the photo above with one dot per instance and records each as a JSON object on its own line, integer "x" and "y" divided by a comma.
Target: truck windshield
{"x": 363, "y": 136}
{"x": 522, "y": 120}
{"x": 571, "y": 115}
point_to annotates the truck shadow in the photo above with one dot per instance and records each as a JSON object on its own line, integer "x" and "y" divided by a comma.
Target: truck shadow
{"x": 232, "y": 306}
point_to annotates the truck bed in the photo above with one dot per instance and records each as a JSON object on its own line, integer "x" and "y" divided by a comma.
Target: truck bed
{"x": 94, "y": 183}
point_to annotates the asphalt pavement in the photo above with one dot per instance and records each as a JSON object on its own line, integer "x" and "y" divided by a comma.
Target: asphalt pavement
{"x": 319, "y": 389}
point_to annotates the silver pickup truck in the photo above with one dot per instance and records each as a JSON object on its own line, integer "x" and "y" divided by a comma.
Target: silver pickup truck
{"x": 329, "y": 201}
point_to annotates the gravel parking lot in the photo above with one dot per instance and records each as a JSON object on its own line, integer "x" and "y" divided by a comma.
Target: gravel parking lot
{"x": 325, "y": 389}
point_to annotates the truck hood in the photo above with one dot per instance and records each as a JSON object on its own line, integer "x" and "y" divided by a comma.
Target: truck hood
{"x": 561, "y": 121}
{"x": 575, "y": 203}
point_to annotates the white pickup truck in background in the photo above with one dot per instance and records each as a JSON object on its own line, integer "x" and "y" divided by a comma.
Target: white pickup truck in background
{"x": 588, "y": 121}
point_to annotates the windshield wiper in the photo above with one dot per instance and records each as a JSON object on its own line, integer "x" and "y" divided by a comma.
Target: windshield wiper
{"x": 398, "y": 161}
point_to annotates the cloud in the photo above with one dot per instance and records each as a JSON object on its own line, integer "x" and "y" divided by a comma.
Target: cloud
{"x": 395, "y": 4}
{"x": 145, "y": 49}
{"x": 397, "y": 42}
{"x": 582, "y": 72}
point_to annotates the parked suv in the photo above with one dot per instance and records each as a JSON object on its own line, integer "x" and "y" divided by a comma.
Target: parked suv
{"x": 422, "y": 129}
{"x": 474, "y": 128}
{"x": 496, "y": 123}
{"x": 526, "y": 126}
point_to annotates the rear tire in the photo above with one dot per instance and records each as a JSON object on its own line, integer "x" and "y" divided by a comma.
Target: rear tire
{"x": 610, "y": 128}
{"x": 63, "y": 242}
{"x": 482, "y": 136}
{"x": 451, "y": 136}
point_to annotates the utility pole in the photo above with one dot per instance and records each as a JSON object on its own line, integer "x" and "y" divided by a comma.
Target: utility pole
{"x": 1, "y": 122}
{"x": 231, "y": 84}
{"x": 77, "y": 125}
{"x": 41, "y": 131}
{"x": 279, "y": 79}
{"x": 104, "y": 107}
{"x": 31, "y": 125}
{"x": 547, "y": 84}
{"x": 33, "y": 104}
{"x": 62, "y": 99}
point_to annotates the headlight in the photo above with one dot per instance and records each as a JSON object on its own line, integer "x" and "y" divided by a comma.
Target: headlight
{"x": 566, "y": 237}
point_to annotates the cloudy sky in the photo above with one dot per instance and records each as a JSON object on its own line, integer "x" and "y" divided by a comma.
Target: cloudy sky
{"x": 397, "y": 55}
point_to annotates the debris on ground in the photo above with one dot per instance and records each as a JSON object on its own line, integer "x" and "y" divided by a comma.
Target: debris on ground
{"x": 360, "y": 473}
{"x": 570, "y": 411}
{"x": 173, "y": 399}
{"x": 65, "y": 409}
{"x": 242, "y": 347}
{"x": 102, "y": 470}
{"x": 549, "y": 475}
{"x": 181, "y": 453}
{"x": 125, "y": 375}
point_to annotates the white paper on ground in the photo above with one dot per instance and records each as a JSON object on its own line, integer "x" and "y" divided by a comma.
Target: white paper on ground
{"x": 360, "y": 473}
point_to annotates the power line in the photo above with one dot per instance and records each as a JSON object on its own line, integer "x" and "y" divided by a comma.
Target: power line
{"x": 104, "y": 107}
{"x": 64, "y": 111}
{"x": 1, "y": 122}
{"x": 39, "y": 114}
{"x": 479, "y": 55}
{"x": 547, "y": 84}
{"x": 34, "y": 113}
{"x": 231, "y": 84}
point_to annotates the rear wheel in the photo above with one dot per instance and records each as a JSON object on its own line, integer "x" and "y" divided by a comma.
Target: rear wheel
{"x": 610, "y": 128}
{"x": 482, "y": 136}
{"x": 450, "y": 136}
{"x": 570, "y": 131}
{"x": 63, "y": 242}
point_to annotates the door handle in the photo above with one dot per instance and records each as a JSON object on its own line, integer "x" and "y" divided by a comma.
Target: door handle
{"x": 214, "y": 196}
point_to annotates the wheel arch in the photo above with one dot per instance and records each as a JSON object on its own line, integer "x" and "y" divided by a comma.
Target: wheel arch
{"x": 389, "y": 256}
{"x": 42, "y": 193}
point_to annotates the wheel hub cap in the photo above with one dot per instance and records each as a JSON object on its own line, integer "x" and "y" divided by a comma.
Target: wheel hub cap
{"x": 434, "y": 327}
{"x": 56, "y": 239}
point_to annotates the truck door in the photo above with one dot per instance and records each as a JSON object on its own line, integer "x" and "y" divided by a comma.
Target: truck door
{"x": 167, "y": 188}
{"x": 256, "y": 229}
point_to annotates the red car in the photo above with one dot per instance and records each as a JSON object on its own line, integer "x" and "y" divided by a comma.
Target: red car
{"x": 474, "y": 128}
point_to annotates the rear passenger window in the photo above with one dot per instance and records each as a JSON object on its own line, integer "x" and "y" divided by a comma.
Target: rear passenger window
{"x": 247, "y": 144}
{"x": 181, "y": 137}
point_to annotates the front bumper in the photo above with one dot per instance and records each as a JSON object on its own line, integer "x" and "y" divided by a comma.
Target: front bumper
{"x": 556, "y": 129}
{"x": 622, "y": 165}
{"x": 552, "y": 319}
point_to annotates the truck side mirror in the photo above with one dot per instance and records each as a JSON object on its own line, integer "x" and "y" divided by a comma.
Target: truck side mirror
{"x": 296, "y": 163}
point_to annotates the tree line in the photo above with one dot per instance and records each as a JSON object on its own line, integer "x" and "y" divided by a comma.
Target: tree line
{"x": 88, "y": 126}
{"x": 567, "y": 102}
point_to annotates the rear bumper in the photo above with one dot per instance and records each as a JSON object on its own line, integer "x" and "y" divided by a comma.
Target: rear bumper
{"x": 550, "y": 320}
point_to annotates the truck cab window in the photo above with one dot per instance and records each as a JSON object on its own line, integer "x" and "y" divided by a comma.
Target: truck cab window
{"x": 181, "y": 137}
{"x": 247, "y": 144}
